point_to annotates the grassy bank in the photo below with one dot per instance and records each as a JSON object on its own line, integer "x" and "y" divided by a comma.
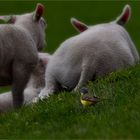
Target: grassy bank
{"x": 62, "y": 116}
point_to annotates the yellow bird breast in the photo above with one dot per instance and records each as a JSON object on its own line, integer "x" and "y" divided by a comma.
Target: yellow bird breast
{"x": 86, "y": 103}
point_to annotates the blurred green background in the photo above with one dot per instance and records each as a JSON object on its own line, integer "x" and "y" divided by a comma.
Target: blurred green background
{"x": 58, "y": 14}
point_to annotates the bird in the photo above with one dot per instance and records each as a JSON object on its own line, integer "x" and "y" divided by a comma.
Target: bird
{"x": 86, "y": 99}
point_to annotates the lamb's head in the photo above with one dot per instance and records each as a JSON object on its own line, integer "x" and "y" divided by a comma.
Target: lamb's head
{"x": 120, "y": 20}
{"x": 33, "y": 22}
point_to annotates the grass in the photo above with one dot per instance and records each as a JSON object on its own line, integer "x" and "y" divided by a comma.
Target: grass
{"x": 62, "y": 116}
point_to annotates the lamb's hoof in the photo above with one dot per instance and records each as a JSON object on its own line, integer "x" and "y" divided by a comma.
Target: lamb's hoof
{"x": 44, "y": 94}
{"x": 35, "y": 100}
{"x": 76, "y": 89}
{"x": 42, "y": 97}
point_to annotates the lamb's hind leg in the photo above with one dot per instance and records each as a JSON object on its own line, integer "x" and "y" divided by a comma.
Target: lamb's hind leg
{"x": 87, "y": 74}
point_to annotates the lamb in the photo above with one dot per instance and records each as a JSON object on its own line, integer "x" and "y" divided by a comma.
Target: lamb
{"x": 34, "y": 86}
{"x": 19, "y": 45}
{"x": 97, "y": 51}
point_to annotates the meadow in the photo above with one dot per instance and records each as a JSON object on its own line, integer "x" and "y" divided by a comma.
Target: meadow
{"x": 62, "y": 116}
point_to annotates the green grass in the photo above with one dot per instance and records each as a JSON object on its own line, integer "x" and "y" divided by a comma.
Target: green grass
{"x": 62, "y": 115}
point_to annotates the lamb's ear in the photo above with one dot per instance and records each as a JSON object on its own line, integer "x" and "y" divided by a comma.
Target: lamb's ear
{"x": 125, "y": 16}
{"x": 8, "y": 19}
{"x": 78, "y": 25}
{"x": 38, "y": 12}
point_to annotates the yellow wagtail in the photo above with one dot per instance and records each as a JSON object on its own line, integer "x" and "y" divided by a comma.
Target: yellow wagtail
{"x": 86, "y": 99}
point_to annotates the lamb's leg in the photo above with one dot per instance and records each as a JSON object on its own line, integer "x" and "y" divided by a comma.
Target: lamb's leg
{"x": 50, "y": 88}
{"x": 86, "y": 75}
{"x": 21, "y": 75}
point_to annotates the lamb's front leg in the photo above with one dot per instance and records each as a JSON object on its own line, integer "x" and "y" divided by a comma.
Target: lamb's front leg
{"x": 50, "y": 88}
